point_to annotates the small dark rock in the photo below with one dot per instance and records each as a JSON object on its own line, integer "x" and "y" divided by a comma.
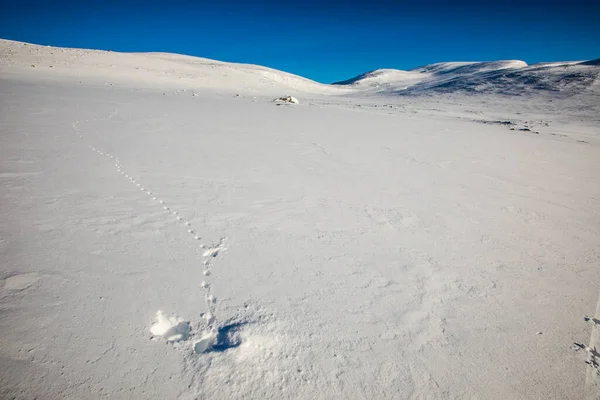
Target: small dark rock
{"x": 506, "y": 123}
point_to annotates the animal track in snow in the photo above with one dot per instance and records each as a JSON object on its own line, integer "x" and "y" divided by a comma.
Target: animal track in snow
{"x": 593, "y": 356}
{"x": 174, "y": 329}
{"x": 219, "y": 340}
{"x": 214, "y": 250}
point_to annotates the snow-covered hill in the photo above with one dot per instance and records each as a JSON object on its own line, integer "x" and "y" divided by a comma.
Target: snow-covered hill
{"x": 154, "y": 69}
{"x": 498, "y": 77}
{"x": 510, "y": 77}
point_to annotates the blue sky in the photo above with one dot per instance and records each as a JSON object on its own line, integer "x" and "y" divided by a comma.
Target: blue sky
{"x": 322, "y": 40}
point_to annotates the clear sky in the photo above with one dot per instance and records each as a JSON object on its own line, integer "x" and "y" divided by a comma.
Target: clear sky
{"x": 326, "y": 40}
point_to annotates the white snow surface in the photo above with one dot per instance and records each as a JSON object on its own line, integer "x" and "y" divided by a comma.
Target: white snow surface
{"x": 363, "y": 244}
{"x": 511, "y": 77}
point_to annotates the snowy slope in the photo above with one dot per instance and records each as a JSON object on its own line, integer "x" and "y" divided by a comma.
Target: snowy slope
{"x": 150, "y": 69}
{"x": 347, "y": 247}
{"x": 170, "y": 71}
{"x": 389, "y": 77}
{"x": 498, "y": 77}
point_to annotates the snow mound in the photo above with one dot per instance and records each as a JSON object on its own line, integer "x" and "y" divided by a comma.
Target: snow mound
{"x": 172, "y": 329}
{"x": 286, "y": 100}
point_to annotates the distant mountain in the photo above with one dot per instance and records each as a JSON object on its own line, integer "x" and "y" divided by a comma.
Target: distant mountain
{"x": 509, "y": 77}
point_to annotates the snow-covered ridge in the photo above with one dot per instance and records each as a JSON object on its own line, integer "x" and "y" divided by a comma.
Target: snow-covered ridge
{"x": 508, "y": 77}
{"x": 155, "y": 69}
{"x": 512, "y": 77}
{"x": 469, "y": 67}
{"x": 381, "y": 77}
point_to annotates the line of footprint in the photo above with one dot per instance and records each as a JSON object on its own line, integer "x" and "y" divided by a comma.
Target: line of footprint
{"x": 210, "y": 252}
